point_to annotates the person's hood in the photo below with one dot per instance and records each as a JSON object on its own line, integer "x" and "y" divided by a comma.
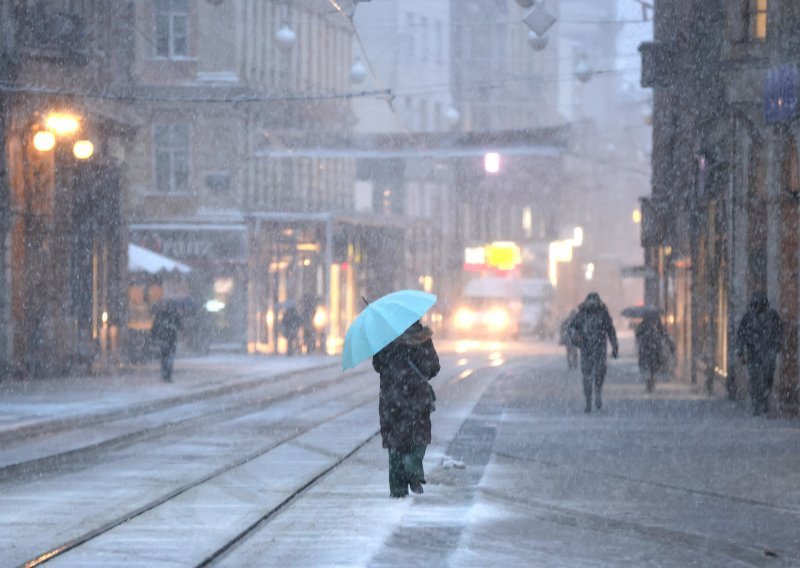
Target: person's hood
{"x": 417, "y": 334}
{"x": 593, "y": 302}
{"x": 759, "y": 302}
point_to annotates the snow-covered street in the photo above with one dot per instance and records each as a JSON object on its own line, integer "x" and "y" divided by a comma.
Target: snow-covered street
{"x": 270, "y": 468}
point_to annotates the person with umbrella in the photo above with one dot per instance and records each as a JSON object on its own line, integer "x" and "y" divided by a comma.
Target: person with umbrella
{"x": 589, "y": 330}
{"x": 166, "y": 325}
{"x": 403, "y": 354}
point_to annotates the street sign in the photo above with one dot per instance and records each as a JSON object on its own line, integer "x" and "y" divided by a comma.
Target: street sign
{"x": 780, "y": 94}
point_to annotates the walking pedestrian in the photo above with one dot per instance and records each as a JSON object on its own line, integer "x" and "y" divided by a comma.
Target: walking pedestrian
{"x": 166, "y": 325}
{"x": 758, "y": 341}
{"x": 589, "y": 330}
{"x": 405, "y": 404}
{"x": 290, "y": 323}
{"x": 652, "y": 339}
{"x": 564, "y": 339}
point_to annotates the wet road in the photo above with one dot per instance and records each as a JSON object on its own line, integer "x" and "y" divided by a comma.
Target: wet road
{"x": 291, "y": 473}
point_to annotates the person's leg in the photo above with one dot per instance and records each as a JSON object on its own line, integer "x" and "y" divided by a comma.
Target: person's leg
{"x": 598, "y": 390}
{"x": 756, "y": 387}
{"x": 398, "y": 484}
{"x": 414, "y": 470}
{"x": 587, "y": 390}
{"x": 651, "y": 380}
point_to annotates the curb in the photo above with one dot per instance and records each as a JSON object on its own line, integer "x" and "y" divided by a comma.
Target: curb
{"x": 12, "y": 433}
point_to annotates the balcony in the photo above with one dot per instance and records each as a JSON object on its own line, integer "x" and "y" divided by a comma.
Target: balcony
{"x": 43, "y": 33}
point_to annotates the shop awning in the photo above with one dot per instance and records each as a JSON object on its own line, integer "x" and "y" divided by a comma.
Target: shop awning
{"x": 141, "y": 259}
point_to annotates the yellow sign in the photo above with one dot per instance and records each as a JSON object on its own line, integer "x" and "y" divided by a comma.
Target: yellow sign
{"x": 503, "y": 255}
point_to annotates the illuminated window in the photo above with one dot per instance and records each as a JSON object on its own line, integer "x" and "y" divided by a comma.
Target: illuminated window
{"x": 758, "y": 19}
{"x": 171, "y": 22}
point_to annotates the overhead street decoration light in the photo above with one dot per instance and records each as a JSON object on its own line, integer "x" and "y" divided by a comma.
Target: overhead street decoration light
{"x": 537, "y": 42}
{"x": 538, "y": 19}
{"x": 286, "y": 38}
{"x": 584, "y": 71}
{"x": 358, "y": 72}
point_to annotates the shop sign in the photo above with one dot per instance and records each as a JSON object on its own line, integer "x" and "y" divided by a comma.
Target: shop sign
{"x": 780, "y": 94}
{"x": 193, "y": 243}
{"x": 502, "y": 256}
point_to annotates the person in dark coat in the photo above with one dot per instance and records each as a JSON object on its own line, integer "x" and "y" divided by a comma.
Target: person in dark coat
{"x": 589, "y": 330}
{"x": 290, "y": 323}
{"x": 166, "y": 325}
{"x": 758, "y": 341}
{"x": 307, "y": 312}
{"x": 572, "y": 349}
{"x": 651, "y": 340}
{"x": 405, "y": 405}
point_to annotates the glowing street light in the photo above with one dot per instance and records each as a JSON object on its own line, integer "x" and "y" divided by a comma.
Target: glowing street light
{"x": 577, "y": 237}
{"x": 83, "y": 149}
{"x": 491, "y": 162}
{"x": 44, "y": 141}
{"x": 62, "y": 124}
{"x": 637, "y": 216}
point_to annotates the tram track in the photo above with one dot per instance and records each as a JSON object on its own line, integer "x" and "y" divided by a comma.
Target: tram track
{"x": 264, "y": 517}
{"x": 52, "y": 427}
{"x": 235, "y": 408}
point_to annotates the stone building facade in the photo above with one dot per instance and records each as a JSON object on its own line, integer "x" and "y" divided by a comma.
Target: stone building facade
{"x": 63, "y": 132}
{"x": 722, "y": 220}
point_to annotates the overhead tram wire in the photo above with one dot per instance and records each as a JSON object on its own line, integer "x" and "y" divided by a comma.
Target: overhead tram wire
{"x": 238, "y": 99}
{"x": 390, "y": 99}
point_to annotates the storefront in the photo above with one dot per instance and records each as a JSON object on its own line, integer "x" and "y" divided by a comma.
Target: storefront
{"x": 307, "y": 273}
{"x": 217, "y": 255}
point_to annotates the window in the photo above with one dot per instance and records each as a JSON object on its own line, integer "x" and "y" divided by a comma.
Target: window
{"x": 171, "y": 18}
{"x": 758, "y": 19}
{"x": 172, "y": 158}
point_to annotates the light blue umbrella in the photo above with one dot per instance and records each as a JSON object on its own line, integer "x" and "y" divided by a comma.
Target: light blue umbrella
{"x": 381, "y": 322}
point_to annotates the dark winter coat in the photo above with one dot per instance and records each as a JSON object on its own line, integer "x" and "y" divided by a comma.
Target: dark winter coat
{"x": 589, "y": 331}
{"x": 406, "y": 398}
{"x": 760, "y": 333}
{"x": 166, "y": 325}
{"x": 651, "y": 340}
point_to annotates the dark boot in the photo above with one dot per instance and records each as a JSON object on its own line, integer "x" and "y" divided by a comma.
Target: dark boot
{"x": 598, "y": 400}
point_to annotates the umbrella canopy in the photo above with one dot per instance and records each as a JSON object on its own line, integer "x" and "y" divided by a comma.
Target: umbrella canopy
{"x": 382, "y": 322}
{"x": 638, "y": 312}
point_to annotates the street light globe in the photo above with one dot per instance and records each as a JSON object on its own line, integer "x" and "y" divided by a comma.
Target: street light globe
{"x": 537, "y": 42}
{"x": 83, "y": 149}
{"x": 358, "y": 72}
{"x": 584, "y": 71}
{"x": 452, "y": 116}
{"x": 286, "y": 38}
{"x": 44, "y": 141}
{"x": 62, "y": 123}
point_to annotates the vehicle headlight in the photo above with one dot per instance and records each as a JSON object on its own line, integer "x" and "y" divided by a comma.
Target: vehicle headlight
{"x": 464, "y": 318}
{"x": 497, "y": 319}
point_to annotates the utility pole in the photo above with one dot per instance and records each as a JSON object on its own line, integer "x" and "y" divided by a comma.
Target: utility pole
{"x": 8, "y": 66}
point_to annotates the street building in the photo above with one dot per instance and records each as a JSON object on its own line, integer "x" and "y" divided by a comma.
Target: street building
{"x": 721, "y": 222}
{"x": 64, "y": 130}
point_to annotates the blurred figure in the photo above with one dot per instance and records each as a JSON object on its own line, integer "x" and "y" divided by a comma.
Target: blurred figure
{"x": 308, "y": 308}
{"x": 758, "y": 341}
{"x": 166, "y": 325}
{"x": 563, "y": 339}
{"x": 405, "y": 405}
{"x": 589, "y": 331}
{"x": 651, "y": 341}
{"x": 290, "y": 325}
